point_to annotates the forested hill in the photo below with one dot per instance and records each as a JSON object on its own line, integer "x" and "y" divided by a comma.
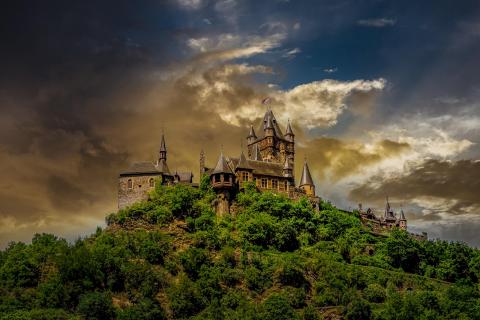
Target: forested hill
{"x": 172, "y": 258}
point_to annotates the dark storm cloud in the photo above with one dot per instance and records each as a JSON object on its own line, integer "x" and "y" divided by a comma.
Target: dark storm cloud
{"x": 436, "y": 180}
{"x": 87, "y": 87}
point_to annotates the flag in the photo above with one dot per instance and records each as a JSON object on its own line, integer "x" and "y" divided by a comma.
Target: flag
{"x": 266, "y": 100}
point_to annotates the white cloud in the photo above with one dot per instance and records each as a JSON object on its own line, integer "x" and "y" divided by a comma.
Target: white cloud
{"x": 377, "y": 23}
{"x": 290, "y": 54}
{"x": 190, "y": 4}
{"x": 330, "y": 70}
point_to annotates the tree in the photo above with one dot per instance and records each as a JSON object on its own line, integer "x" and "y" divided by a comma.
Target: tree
{"x": 96, "y": 305}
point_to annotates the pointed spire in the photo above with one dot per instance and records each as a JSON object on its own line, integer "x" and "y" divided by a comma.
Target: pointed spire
{"x": 252, "y": 133}
{"x": 289, "y": 129}
{"x": 269, "y": 123}
{"x": 306, "y": 178}
{"x": 162, "y": 157}
{"x": 402, "y": 215}
{"x": 242, "y": 162}
{"x": 256, "y": 153}
{"x": 387, "y": 208}
{"x": 162, "y": 144}
{"x": 222, "y": 165}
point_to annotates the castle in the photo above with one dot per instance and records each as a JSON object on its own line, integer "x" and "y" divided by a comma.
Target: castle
{"x": 387, "y": 221}
{"x": 269, "y": 164}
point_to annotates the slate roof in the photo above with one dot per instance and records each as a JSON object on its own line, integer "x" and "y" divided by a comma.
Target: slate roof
{"x": 222, "y": 166}
{"x": 185, "y": 176}
{"x": 262, "y": 167}
{"x": 243, "y": 163}
{"x": 306, "y": 178}
{"x": 143, "y": 167}
{"x": 269, "y": 116}
{"x": 163, "y": 167}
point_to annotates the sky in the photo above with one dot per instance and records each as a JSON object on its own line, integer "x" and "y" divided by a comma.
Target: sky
{"x": 383, "y": 96}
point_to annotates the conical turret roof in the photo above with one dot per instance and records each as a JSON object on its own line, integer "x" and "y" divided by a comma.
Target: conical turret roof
{"x": 252, "y": 133}
{"x": 289, "y": 129}
{"x": 222, "y": 166}
{"x": 306, "y": 178}
{"x": 402, "y": 215}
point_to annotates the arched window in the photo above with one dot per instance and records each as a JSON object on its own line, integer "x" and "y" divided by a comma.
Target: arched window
{"x": 151, "y": 182}
{"x": 130, "y": 184}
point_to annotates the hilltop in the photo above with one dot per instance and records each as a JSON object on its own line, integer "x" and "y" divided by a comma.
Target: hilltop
{"x": 171, "y": 257}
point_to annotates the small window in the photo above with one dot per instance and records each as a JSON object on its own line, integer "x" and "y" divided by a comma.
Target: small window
{"x": 151, "y": 182}
{"x": 274, "y": 184}
{"x": 286, "y": 185}
{"x": 263, "y": 183}
{"x": 244, "y": 176}
{"x": 130, "y": 184}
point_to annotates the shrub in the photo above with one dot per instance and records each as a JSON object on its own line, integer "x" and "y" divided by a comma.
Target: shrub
{"x": 96, "y": 305}
{"x": 374, "y": 293}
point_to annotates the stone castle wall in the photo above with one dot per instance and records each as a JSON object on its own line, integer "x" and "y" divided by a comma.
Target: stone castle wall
{"x": 138, "y": 192}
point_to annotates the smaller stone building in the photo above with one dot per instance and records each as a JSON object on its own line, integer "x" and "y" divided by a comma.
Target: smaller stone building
{"x": 387, "y": 221}
{"x": 140, "y": 178}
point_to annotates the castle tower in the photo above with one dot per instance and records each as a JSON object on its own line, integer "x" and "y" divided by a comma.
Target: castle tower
{"x": 162, "y": 158}
{"x": 402, "y": 221}
{"x": 163, "y": 150}
{"x": 388, "y": 209}
{"x": 306, "y": 181}
{"x": 289, "y": 136}
{"x": 256, "y": 155}
{"x": 223, "y": 182}
{"x": 287, "y": 168}
{"x": 202, "y": 163}
{"x": 289, "y": 149}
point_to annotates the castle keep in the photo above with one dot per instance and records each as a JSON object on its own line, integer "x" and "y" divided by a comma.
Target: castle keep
{"x": 135, "y": 182}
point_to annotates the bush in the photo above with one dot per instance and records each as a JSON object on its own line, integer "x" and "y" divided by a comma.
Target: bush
{"x": 145, "y": 309}
{"x": 358, "y": 309}
{"x": 96, "y": 305}
{"x": 277, "y": 307}
{"x": 374, "y": 293}
{"x": 185, "y": 299}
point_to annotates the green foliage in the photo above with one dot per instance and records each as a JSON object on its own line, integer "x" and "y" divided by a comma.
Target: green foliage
{"x": 171, "y": 257}
{"x": 277, "y": 307}
{"x": 145, "y": 309}
{"x": 96, "y": 305}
